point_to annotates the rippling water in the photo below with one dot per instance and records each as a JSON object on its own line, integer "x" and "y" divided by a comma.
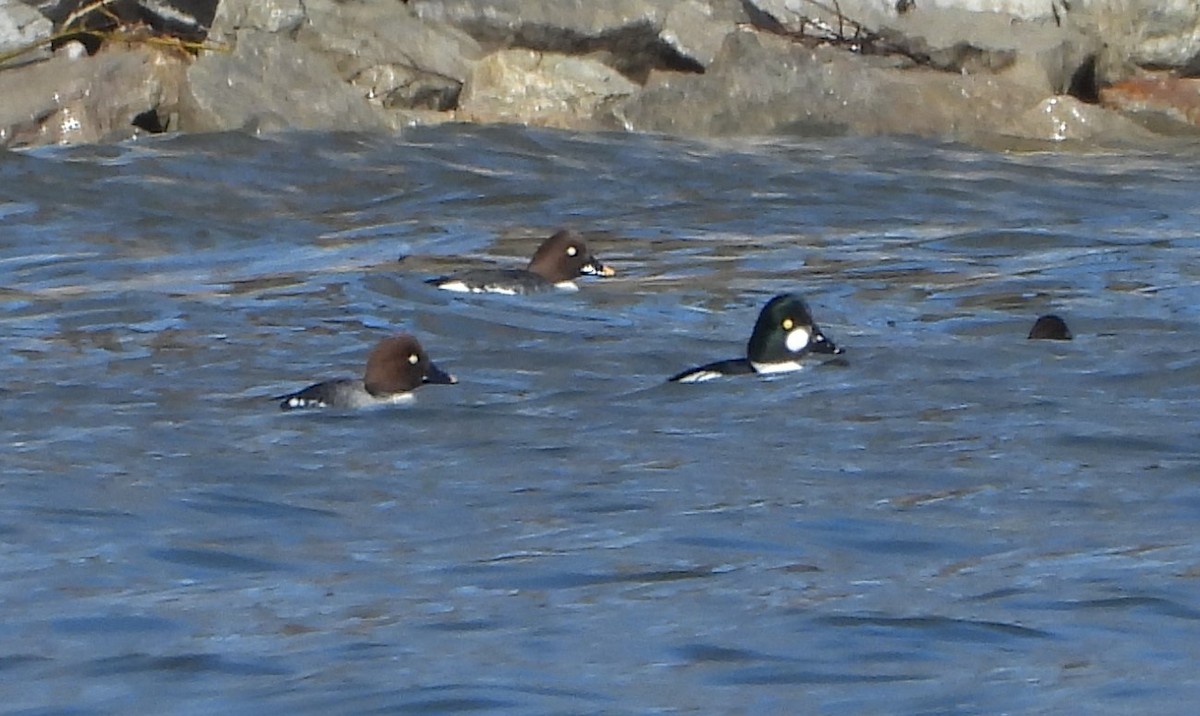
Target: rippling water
{"x": 954, "y": 520}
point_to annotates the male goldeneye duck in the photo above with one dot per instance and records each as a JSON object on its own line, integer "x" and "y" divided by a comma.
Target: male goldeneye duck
{"x": 1050, "y": 327}
{"x": 557, "y": 262}
{"x": 396, "y": 367}
{"x": 783, "y": 335}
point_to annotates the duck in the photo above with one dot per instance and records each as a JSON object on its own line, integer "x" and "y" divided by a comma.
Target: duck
{"x": 396, "y": 367}
{"x": 783, "y": 335}
{"x": 556, "y": 264}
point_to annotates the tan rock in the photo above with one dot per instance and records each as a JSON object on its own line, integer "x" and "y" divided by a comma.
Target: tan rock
{"x": 1066, "y": 119}
{"x": 545, "y": 89}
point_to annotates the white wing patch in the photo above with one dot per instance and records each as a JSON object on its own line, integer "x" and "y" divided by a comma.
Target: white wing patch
{"x": 797, "y": 340}
{"x": 567, "y": 286}
{"x": 699, "y": 376}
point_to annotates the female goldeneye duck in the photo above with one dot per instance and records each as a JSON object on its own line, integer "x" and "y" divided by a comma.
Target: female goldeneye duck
{"x": 557, "y": 262}
{"x": 783, "y": 335}
{"x": 1050, "y": 327}
{"x": 396, "y": 367}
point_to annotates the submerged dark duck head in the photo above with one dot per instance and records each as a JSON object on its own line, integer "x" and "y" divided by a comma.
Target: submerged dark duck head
{"x": 1050, "y": 327}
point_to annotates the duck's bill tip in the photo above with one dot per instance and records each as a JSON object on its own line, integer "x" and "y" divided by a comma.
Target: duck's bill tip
{"x": 595, "y": 268}
{"x": 437, "y": 376}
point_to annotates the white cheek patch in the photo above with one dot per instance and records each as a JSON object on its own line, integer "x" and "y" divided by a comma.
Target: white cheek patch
{"x": 797, "y": 339}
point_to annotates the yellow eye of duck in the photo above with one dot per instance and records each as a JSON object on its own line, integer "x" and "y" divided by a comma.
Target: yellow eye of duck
{"x": 788, "y": 324}
{"x": 413, "y": 358}
{"x": 571, "y": 251}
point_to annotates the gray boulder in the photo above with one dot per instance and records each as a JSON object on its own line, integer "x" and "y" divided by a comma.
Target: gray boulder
{"x": 284, "y": 16}
{"x": 762, "y": 83}
{"x": 632, "y": 36}
{"x": 21, "y": 27}
{"x": 1137, "y": 35}
{"x": 80, "y": 99}
{"x": 268, "y": 82}
{"x": 391, "y": 55}
{"x": 952, "y": 35}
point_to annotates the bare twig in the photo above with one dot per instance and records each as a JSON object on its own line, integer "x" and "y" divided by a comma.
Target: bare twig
{"x": 73, "y": 26}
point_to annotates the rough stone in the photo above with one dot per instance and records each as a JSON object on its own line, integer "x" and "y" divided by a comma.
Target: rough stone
{"x": 951, "y": 36}
{"x": 269, "y": 82}
{"x": 21, "y": 26}
{"x": 74, "y": 100}
{"x": 1141, "y": 34}
{"x": 762, "y": 83}
{"x": 955, "y": 68}
{"x": 423, "y": 91}
{"x": 697, "y": 29}
{"x": 546, "y": 89}
{"x": 1159, "y": 102}
{"x": 635, "y": 36}
{"x": 502, "y": 21}
{"x": 366, "y": 34}
{"x": 266, "y": 15}
{"x": 402, "y": 87}
{"x": 1067, "y": 119}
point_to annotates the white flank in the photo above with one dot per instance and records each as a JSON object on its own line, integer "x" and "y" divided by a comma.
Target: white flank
{"x": 305, "y": 403}
{"x": 364, "y": 400}
{"x": 784, "y": 367}
{"x": 456, "y": 286}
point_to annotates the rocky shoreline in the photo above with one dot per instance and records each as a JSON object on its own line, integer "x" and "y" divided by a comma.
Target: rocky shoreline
{"x": 981, "y": 71}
